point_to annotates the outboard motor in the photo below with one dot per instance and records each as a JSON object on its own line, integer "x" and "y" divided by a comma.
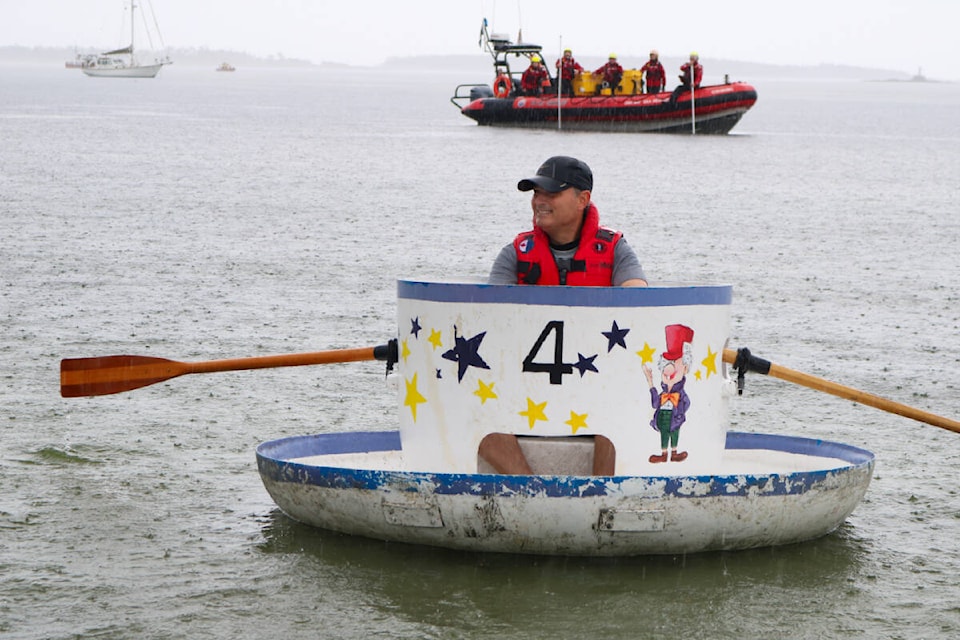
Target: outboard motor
{"x": 480, "y": 91}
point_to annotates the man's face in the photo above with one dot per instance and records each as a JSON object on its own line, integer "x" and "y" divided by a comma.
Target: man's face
{"x": 559, "y": 214}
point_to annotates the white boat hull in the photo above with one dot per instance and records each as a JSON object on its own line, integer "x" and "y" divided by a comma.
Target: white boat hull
{"x": 140, "y": 71}
{"x": 768, "y": 490}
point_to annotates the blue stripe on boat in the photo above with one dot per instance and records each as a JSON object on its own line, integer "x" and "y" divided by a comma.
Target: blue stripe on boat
{"x": 667, "y": 296}
{"x": 274, "y": 461}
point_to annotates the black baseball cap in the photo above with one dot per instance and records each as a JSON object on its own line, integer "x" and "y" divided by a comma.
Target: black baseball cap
{"x": 559, "y": 173}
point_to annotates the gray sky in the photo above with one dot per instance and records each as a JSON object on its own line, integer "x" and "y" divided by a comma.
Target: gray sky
{"x": 902, "y": 35}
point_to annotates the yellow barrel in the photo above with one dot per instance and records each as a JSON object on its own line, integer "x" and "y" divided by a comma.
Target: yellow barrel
{"x": 586, "y": 84}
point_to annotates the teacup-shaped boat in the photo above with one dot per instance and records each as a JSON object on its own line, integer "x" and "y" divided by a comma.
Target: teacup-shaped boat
{"x": 567, "y": 372}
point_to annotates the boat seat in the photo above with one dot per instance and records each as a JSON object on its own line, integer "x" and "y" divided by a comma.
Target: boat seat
{"x": 553, "y": 455}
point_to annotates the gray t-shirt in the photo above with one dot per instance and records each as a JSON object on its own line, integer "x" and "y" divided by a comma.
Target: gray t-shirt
{"x": 626, "y": 265}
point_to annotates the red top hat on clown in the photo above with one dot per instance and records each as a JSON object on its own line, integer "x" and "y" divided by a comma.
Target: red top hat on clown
{"x": 677, "y": 336}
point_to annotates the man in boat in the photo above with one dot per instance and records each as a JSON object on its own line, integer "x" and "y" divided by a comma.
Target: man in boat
{"x": 670, "y": 402}
{"x": 567, "y": 70}
{"x": 656, "y": 77}
{"x": 534, "y": 78}
{"x": 567, "y": 246}
{"x": 690, "y": 72}
{"x": 611, "y": 74}
{"x": 692, "y": 67}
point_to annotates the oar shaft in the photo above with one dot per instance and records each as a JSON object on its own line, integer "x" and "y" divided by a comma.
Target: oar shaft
{"x": 842, "y": 391}
{"x": 286, "y": 360}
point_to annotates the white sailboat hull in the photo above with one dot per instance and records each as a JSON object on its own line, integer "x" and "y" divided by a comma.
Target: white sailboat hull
{"x": 144, "y": 71}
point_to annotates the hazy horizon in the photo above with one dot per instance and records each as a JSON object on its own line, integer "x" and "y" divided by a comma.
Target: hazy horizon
{"x": 472, "y": 66}
{"x": 879, "y": 35}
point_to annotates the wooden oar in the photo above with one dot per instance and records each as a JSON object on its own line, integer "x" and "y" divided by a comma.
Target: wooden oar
{"x": 114, "y": 374}
{"x": 744, "y": 361}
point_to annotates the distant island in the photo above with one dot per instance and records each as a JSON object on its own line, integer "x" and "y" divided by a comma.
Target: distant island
{"x": 736, "y": 69}
{"x": 195, "y": 56}
{"x": 470, "y": 66}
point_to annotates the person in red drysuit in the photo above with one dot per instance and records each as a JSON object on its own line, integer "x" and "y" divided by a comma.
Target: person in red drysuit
{"x": 694, "y": 66}
{"x": 688, "y": 69}
{"x": 656, "y": 77}
{"x": 567, "y": 70}
{"x": 534, "y": 78}
{"x": 611, "y": 73}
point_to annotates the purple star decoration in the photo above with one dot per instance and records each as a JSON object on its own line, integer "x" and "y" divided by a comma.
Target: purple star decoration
{"x": 465, "y": 353}
{"x": 615, "y": 336}
{"x": 585, "y": 364}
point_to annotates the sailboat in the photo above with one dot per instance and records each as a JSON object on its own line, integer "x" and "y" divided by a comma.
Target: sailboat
{"x": 122, "y": 63}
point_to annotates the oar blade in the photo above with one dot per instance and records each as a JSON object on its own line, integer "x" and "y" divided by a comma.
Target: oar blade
{"x": 105, "y": 375}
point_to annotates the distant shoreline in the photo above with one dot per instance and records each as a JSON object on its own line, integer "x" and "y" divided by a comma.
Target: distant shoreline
{"x": 471, "y": 66}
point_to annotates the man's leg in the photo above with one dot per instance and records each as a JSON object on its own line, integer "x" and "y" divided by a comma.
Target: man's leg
{"x": 502, "y": 451}
{"x": 604, "y": 456}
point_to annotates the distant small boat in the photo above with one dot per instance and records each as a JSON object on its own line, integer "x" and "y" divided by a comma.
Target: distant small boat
{"x": 226, "y": 66}
{"x": 80, "y": 61}
{"x": 121, "y": 63}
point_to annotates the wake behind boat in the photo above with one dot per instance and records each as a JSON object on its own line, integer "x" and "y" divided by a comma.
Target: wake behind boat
{"x": 122, "y": 63}
{"x": 707, "y": 109}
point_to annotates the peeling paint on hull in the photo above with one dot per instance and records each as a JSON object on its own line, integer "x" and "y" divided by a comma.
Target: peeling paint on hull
{"x": 354, "y": 483}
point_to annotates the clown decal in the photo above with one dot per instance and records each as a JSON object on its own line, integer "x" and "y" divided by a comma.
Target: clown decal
{"x": 670, "y": 402}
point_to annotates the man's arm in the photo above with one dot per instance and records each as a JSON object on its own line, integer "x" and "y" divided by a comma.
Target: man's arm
{"x": 627, "y": 270}
{"x": 504, "y": 269}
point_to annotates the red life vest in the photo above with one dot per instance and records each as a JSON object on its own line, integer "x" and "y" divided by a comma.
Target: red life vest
{"x": 655, "y": 73}
{"x": 568, "y": 68}
{"x": 534, "y": 78}
{"x": 591, "y": 265}
{"x": 697, "y": 74}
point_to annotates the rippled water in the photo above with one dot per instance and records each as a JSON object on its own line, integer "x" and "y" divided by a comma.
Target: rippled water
{"x": 201, "y": 216}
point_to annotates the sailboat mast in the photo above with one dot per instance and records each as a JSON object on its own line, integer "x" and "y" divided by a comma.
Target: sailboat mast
{"x": 133, "y": 25}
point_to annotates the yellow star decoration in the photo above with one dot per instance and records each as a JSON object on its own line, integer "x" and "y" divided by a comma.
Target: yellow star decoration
{"x": 485, "y": 391}
{"x": 405, "y": 351}
{"x": 413, "y": 397}
{"x": 534, "y": 412}
{"x": 710, "y": 362}
{"x": 434, "y": 339}
{"x": 698, "y": 374}
{"x": 577, "y": 421}
{"x": 646, "y": 354}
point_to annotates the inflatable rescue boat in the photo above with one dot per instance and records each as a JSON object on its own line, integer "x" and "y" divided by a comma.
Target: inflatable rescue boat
{"x": 713, "y": 109}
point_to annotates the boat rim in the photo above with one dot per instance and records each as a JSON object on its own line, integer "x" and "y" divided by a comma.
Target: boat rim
{"x": 290, "y": 451}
